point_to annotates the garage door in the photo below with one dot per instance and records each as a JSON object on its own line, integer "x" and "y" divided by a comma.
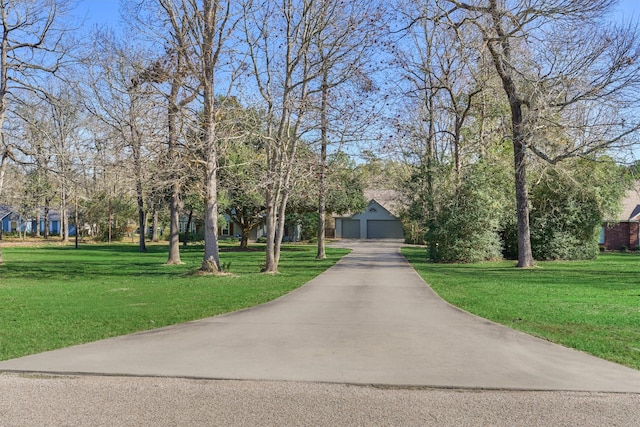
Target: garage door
{"x": 384, "y": 229}
{"x": 350, "y": 228}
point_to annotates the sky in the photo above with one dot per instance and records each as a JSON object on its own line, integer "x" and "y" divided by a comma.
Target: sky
{"x": 629, "y": 9}
{"x": 100, "y": 12}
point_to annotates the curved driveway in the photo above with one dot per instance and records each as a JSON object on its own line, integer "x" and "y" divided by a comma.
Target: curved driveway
{"x": 370, "y": 319}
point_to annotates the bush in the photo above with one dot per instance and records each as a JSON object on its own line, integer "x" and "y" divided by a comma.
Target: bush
{"x": 117, "y": 233}
{"x": 466, "y": 227}
{"x": 414, "y": 233}
{"x": 192, "y": 237}
{"x": 566, "y": 218}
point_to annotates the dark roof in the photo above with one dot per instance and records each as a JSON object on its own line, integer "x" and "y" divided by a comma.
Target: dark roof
{"x": 388, "y": 199}
{"x": 4, "y": 211}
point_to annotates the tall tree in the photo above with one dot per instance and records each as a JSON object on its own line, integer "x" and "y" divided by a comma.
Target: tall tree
{"x": 199, "y": 53}
{"x": 437, "y": 88}
{"x": 243, "y": 169}
{"x": 558, "y": 61}
{"x": 66, "y": 122}
{"x": 280, "y": 37}
{"x": 31, "y": 44}
{"x": 129, "y": 109}
{"x": 342, "y": 46}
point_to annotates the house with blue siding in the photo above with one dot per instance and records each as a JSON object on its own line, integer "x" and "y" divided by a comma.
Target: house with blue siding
{"x": 5, "y": 218}
{"x": 12, "y": 221}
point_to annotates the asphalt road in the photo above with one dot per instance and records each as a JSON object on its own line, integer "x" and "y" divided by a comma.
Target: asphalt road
{"x": 365, "y": 343}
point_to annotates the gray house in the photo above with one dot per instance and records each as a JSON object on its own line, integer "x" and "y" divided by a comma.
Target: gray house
{"x": 376, "y": 222}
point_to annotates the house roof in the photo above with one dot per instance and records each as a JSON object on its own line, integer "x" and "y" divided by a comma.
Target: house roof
{"x": 631, "y": 205}
{"x": 388, "y": 199}
{"x": 4, "y": 211}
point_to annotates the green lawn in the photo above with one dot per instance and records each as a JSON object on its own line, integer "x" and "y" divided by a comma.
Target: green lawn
{"x": 593, "y": 306}
{"x": 57, "y": 296}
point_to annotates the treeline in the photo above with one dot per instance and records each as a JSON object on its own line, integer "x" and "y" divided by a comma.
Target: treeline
{"x": 504, "y": 123}
{"x": 518, "y": 118}
{"x": 195, "y": 107}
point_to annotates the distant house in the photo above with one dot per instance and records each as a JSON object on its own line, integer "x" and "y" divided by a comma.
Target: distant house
{"x": 624, "y": 231}
{"x": 5, "y": 218}
{"x": 232, "y": 229}
{"x": 377, "y": 221}
{"x": 13, "y": 222}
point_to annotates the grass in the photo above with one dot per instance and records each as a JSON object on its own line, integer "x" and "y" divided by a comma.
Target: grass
{"x": 592, "y": 306}
{"x": 57, "y": 296}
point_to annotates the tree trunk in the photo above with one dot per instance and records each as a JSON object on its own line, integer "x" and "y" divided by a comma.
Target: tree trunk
{"x": 174, "y": 222}
{"x": 282, "y": 210}
{"x": 154, "y": 235}
{"x": 174, "y": 203}
{"x": 271, "y": 265}
{"x": 244, "y": 240}
{"x": 110, "y": 221}
{"x": 142, "y": 223}
{"x": 525, "y": 255}
{"x": 46, "y": 219}
{"x": 430, "y": 160}
{"x": 75, "y": 220}
{"x": 322, "y": 185}
{"x": 21, "y": 232}
{"x": 142, "y": 217}
{"x": 211, "y": 259}
{"x": 3, "y": 167}
{"x": 38, "y": 219}
{"x": 64, "y": 217}
{"x": 187, "y": 228}
{"x": 501, "y": 55}
{"x": 322, "y": 211}
{"x": 136, "y": 147}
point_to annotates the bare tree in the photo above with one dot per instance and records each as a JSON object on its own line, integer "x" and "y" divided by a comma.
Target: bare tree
{"x": 36, "y": 152}
{"x": 216, "y": 23}
{"x": 129, "y": 110}
{"x": 197, "y": 61}
{"x": 280, "y": 37}
{"x": 171, "y": 72}
{"x": 66, "y": 121}
{"x": 343, "y": 46}
{"x": 31, "y": 44}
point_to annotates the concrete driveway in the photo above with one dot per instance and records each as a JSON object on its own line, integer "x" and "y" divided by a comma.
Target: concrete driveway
{"x": 368, "y": 320}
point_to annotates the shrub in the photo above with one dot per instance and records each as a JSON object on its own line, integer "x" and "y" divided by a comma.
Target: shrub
{"x": 117, "y": 233}
{"x": 566, "y": 214}
{"x": 466, "y": 227}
